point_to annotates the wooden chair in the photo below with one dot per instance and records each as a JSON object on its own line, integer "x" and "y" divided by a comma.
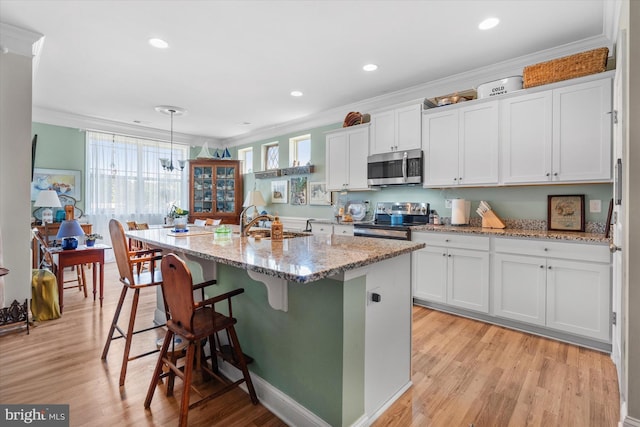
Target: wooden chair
{"x": 125, "y": 260}
{"x": 195, "y": 321}
{"x": 46, "y": 261}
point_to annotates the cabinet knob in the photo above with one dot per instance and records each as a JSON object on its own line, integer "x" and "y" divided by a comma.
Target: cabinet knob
{"x": 549, "y": 267}
{"x": 555, "y": 174}
{"x": 548, "y": 174}
{"x": 449, "y": 255}
{"x": 444, "y": 254}
{"x": 391, "y": 148}
{"x": 545, "y": 249}
{"x": 613, "y": 248}
{"x": 446, "y": 240}
{"x": 542, "y": 266}
{"x": 460, "y": 179}
{"x": 455, "y": 179}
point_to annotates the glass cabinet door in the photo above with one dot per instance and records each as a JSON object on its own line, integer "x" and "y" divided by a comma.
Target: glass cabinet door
{"x": 203, "y": 179}
{"x": 225, "y": 188}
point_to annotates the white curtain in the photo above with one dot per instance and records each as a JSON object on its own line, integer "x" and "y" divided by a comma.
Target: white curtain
{"x": 125, "y": 181}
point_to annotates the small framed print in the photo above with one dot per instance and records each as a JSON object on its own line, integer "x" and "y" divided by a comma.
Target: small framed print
{"x": 318, "y": 194}
{"x": 279, "y": 191}
{"x": 565, "y": 212}
{"x": 298, "y": 188}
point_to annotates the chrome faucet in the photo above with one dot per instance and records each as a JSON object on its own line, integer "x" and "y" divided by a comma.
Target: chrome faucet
{"x": 245, "y": 227}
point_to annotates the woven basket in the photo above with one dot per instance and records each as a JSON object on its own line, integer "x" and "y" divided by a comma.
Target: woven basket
{"x": 568, "y": 67}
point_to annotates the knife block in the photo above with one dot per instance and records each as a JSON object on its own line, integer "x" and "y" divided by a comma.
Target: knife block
{"x": 491, "y": 220}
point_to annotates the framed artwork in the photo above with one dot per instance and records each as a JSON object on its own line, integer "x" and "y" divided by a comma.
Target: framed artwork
{"x": 64, "y": 182}
{"x": 298, "y": 191}
{"x": 279, "y": 191}
{"x": 565, "y": 213}
{"x": 607, "y": 229}
{"x": 318, "y": 194}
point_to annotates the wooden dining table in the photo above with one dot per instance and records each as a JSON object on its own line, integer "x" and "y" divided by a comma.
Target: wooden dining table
{"x": 81, "y": 255}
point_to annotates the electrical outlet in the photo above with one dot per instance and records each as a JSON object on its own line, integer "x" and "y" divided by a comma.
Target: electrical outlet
{"x": 595, "y": 206}
{"x": 447, "y": 203}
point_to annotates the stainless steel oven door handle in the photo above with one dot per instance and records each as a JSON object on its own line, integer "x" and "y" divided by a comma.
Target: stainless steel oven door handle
{"x": 404, "y": 166}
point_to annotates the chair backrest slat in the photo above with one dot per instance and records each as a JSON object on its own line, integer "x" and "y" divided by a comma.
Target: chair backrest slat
{"x": 121, "y": 251}
{"x": 177, "y": 289}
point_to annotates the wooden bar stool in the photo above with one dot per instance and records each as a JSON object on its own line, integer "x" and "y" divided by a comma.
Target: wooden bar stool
{"x": 126, "y": 260}
{"x": 195, "y": 321}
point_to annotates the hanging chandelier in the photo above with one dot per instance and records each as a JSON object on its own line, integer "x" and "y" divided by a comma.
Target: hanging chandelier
{"x": 167, "y": 164}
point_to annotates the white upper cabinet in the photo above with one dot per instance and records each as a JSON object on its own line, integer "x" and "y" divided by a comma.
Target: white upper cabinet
{"x": 479, "y": 126}
{"x": 346, "y": 154}
{"x": 461, "y": 146}
{"x": 527, "y": 138}
{"x": 396, "y": 130}
{"x": 582, "y": 132}
{"x": 440, "y": 136}
{"x": 560, "y": 135}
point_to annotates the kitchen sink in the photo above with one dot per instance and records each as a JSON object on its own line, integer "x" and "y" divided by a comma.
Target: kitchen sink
{"x": 265, "y": 233}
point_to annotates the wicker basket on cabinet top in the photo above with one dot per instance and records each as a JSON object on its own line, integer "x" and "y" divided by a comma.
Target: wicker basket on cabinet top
{"x": 565, "y": 68}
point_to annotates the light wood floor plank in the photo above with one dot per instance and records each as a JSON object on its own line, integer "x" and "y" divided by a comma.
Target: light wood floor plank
{"x": 464, "y": 372}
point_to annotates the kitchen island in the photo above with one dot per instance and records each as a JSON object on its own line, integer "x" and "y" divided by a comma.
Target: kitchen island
{"x": 327, "y": 319}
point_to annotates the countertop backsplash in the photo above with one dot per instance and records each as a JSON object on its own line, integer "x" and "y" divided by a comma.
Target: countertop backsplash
{"x": 531, "y": 224}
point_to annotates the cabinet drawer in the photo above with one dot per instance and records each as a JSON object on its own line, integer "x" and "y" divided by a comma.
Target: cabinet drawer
{"x": 576, "y": 251}
{"x": 322, "y": 229}
{"x": 452, "y": 240}
{"x": 343, "y": 230}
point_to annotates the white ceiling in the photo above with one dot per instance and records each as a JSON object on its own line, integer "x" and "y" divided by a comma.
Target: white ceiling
{"x": 231, "y": 62}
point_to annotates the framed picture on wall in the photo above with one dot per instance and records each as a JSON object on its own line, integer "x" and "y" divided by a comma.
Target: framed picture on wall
{"x": 565, "y": 213}
{"x": 279, "y": 191}
{"x": 64, "y": 182}
{"x": 298, "y": 190}
{"x": 318, "y": 194}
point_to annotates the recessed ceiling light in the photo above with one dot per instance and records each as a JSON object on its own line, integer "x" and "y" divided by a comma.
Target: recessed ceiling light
{"x": 488, "y": 23}
{"x": 296, "y": 93}
{"x": 370, "y": 67}
{"x": 159, "y": 43}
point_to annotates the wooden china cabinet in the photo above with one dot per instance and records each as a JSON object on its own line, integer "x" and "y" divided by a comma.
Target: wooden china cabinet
{"x": 215, "y": 190}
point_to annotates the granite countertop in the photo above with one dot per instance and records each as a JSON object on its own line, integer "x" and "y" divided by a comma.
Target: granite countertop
{"x": 516, "y": 232}
{"x": 301, "y": 259}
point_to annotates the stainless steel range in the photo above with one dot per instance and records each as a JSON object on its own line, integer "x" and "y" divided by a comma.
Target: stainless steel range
{"x": 393, "y": 220}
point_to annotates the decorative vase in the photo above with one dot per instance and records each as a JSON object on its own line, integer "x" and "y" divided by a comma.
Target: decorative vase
{"x": 90, "y": 243}
{"x": 180, "y": 222}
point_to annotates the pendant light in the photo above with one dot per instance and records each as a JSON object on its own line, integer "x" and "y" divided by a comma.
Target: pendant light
{"x": 167, "y": 164}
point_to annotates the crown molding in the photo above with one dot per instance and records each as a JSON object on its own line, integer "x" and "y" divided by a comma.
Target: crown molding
{"x": 410, "y": 95}
{"x": 416, "y": 94}
{"x": 19, "y": 41}
{"x": 62, "y": 118}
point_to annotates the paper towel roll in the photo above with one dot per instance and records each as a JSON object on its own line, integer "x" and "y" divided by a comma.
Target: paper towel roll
{"x": 459, "y": 214}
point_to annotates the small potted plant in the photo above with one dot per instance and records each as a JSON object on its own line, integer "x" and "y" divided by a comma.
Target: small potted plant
{"x": 91, "y": 239}
{"x": 178, "y": 217}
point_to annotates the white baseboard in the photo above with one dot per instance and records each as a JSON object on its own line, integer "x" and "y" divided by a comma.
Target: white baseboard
{"x": 631, "y": 422}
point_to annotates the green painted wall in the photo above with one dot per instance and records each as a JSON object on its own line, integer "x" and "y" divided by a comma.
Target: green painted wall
{"x": 304, "y": 352}
{"x": 60, "y": 148}
{"x": 64, "y": 148}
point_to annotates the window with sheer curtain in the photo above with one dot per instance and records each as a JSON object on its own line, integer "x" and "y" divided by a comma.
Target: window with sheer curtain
{"x": 125, "y": 180}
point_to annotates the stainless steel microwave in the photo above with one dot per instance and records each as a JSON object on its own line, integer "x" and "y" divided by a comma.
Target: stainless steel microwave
{"x": 394, "y": 168}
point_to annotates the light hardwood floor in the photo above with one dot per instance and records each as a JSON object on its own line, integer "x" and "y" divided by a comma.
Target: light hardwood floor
{"x": 464, "y": 372}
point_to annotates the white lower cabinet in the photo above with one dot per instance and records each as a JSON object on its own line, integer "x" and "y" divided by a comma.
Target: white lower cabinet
{"x": 519, "y": 290}
{"x": 563, "y": 288}
{"x": 578, "y": 298}
{"x": 452, "y": 269}
{"x": 567, "y": 290}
